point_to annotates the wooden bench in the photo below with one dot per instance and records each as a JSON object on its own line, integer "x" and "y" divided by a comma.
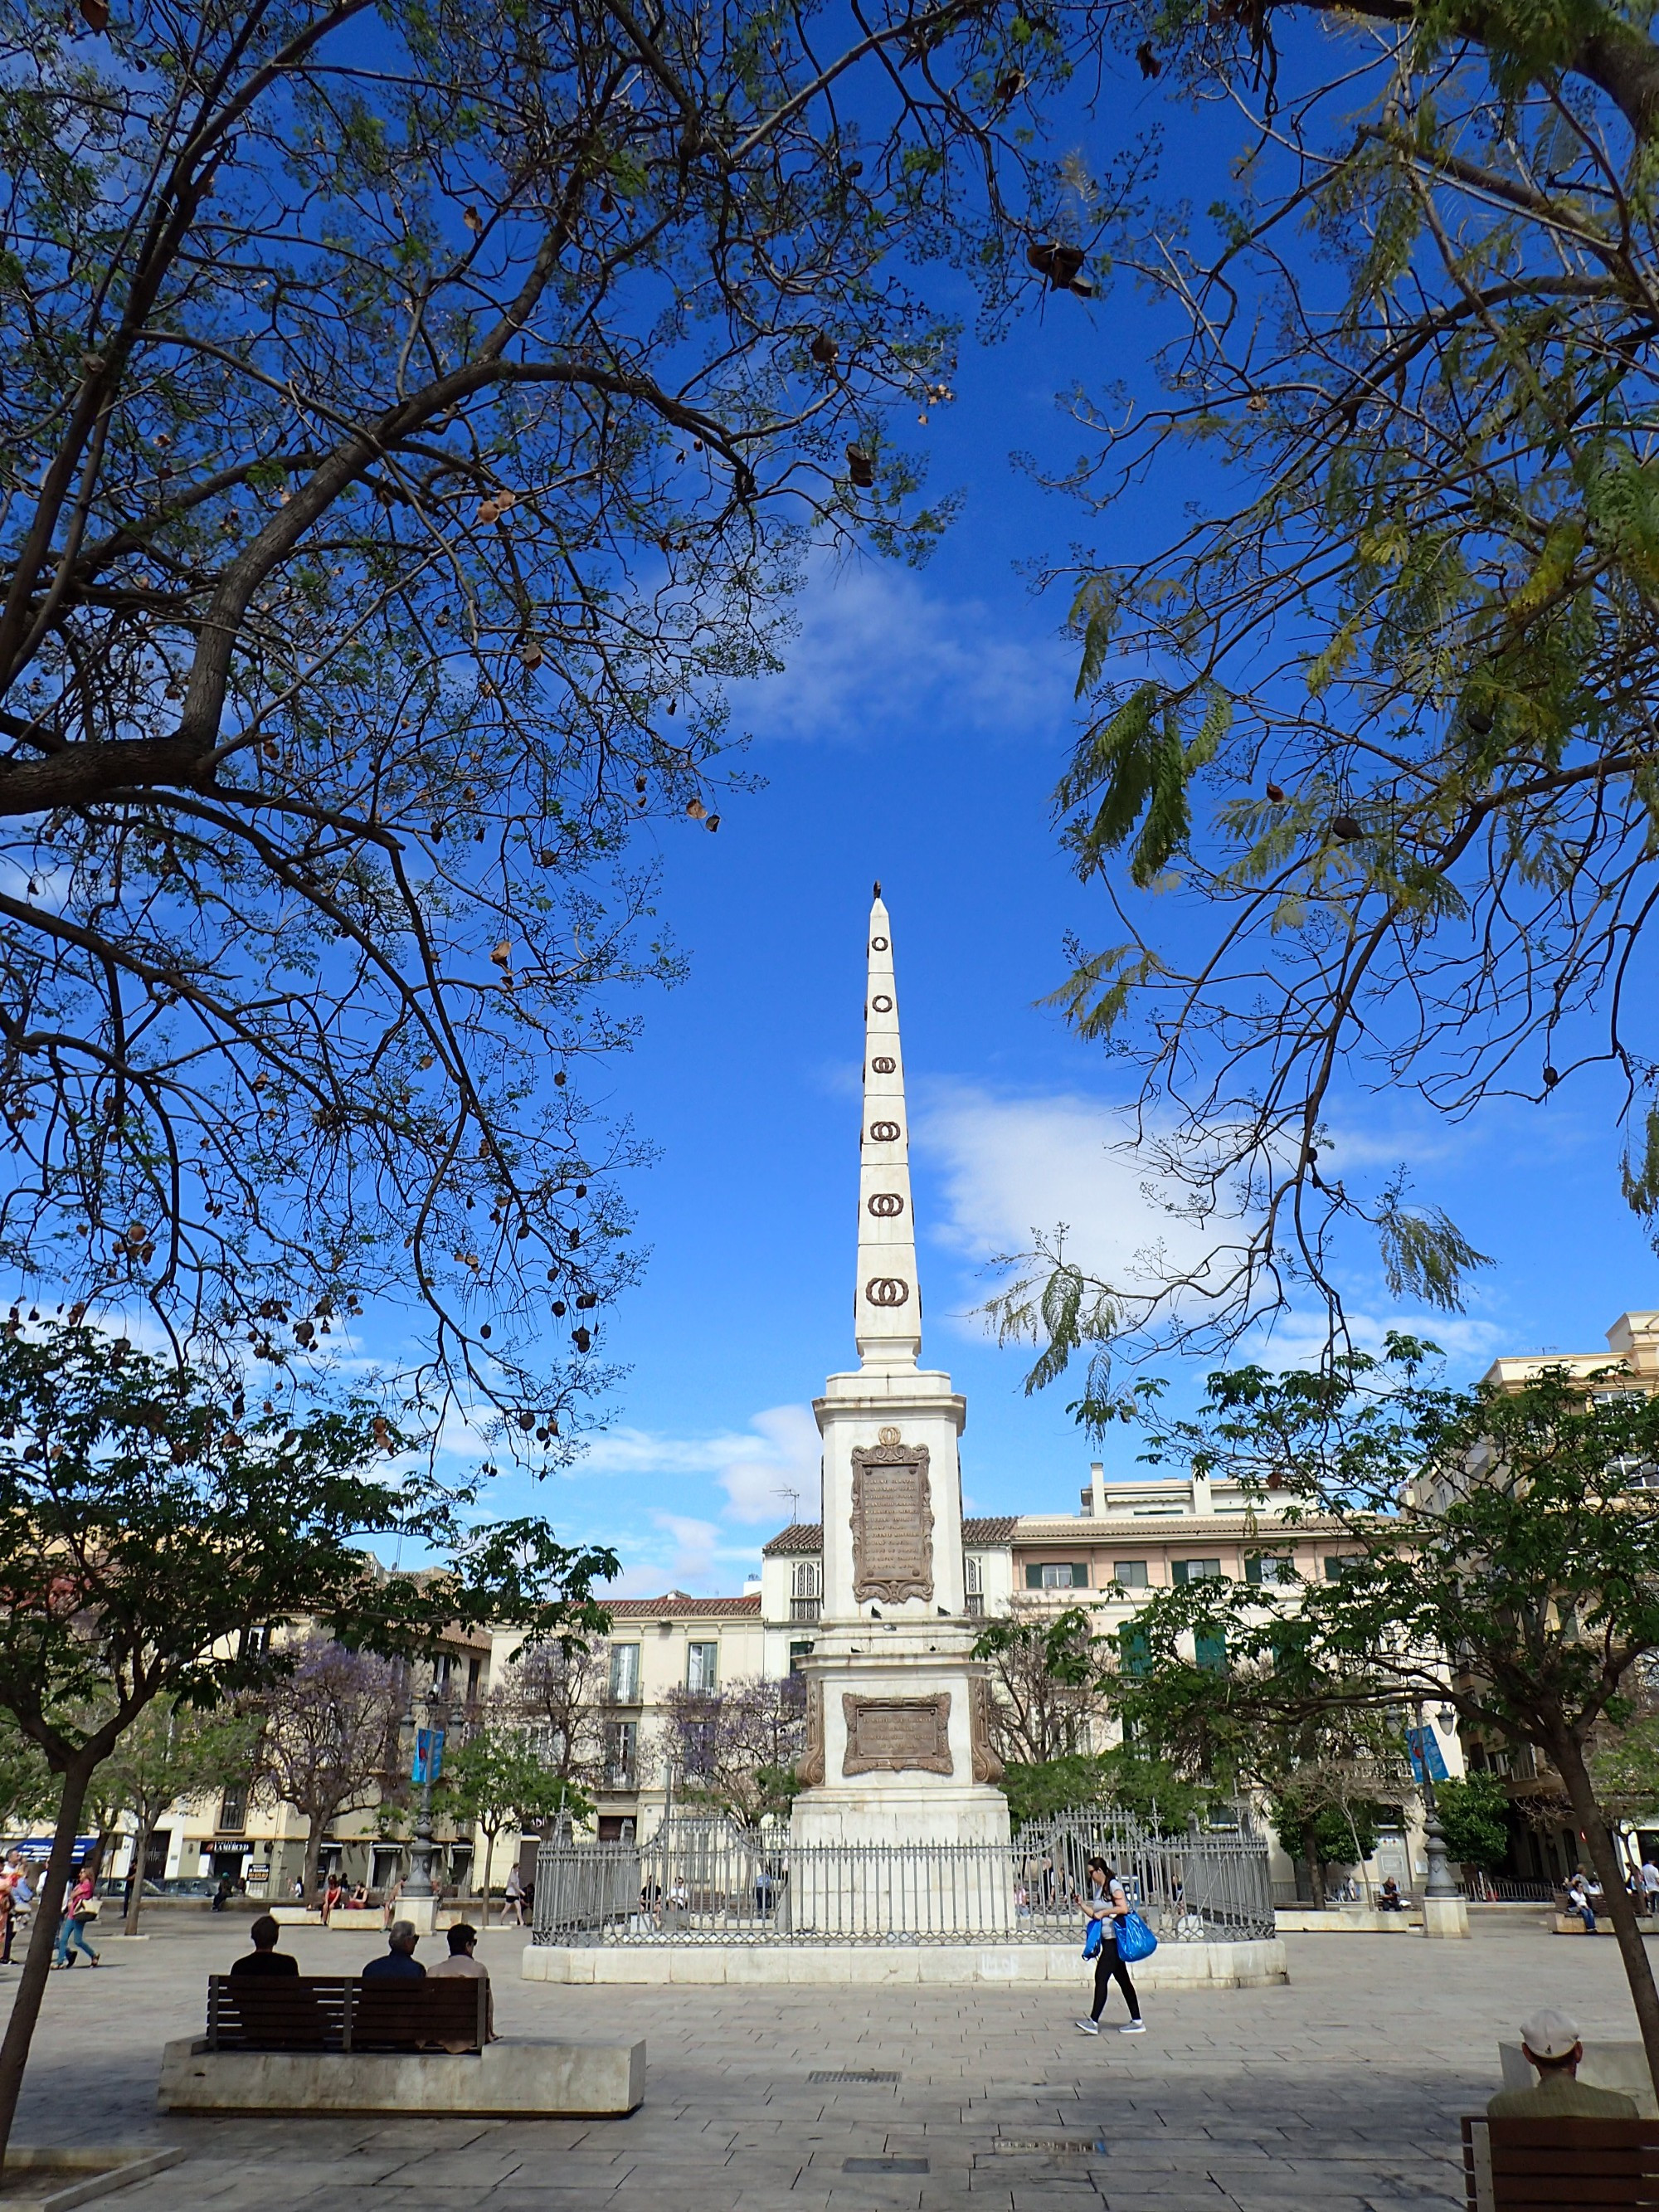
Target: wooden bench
{"x": 1517, "y": 2165}
{"x": 345, "y": 2013}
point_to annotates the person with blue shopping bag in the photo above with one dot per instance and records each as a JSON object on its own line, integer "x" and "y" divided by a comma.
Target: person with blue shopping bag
{"x": 1113, "y": 1928}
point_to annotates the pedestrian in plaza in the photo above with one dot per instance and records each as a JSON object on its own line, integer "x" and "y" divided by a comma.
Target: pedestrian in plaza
{"x": 333, "y": 1891}
{"x": 1583, "y": 1896}
{"x": 1388, "y": 1898}
{"x": 1550, "y": 2042}
{"x": 397, "y": 1962}
{"x": 1649, "y": 1885}
{"x": 513, "y": 1894}
{"x": 80, "y": 1909}
{"x": 389, "y": 1903}
{"x": 464, "y": 1963}
{"x": 1108, "y": 1902}
{"x": 20, "y": 1897}
{"x": 264, "y": 1959}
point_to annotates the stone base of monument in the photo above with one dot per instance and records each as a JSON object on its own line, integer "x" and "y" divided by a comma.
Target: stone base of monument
{"x": 522, "y": 2077}
{"x": 951, "y": 1966}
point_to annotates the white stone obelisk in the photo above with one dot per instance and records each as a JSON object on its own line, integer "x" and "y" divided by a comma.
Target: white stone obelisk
{"x": 898, "y": 1749}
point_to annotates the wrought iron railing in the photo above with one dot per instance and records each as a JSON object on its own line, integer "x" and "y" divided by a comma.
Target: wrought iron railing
{"x": 711, "y": 1881}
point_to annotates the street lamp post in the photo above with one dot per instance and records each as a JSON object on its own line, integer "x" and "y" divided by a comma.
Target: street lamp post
{"x": 1440, "y": 1882}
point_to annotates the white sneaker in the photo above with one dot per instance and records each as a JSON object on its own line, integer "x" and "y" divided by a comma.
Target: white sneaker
{"x": 1133, "y": 2027}
{"x": 1089, "y": 2026}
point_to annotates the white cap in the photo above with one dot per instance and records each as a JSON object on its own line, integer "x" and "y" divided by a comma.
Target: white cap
{"x": 1550, "y": 2033}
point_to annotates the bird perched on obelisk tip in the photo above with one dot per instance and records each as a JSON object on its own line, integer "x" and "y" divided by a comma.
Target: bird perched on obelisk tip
{"x": 887, "y": 1299}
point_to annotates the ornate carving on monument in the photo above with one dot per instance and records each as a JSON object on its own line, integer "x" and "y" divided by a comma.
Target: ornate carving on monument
{"x": 898, "y": 1736}
{"x": 988, "y": 1767}
{"x": 892, "y": 1524}
{"x": 809, "y": 1767}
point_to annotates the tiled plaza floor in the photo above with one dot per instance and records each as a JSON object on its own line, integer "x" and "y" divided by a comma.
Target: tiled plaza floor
{"x": 1338, "y": 2092}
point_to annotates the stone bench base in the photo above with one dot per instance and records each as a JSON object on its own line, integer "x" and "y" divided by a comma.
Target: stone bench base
{"x": 521, "y": 2077}
{"x": 1172, "y": 1965}
{"x": 1346, "y": 1920}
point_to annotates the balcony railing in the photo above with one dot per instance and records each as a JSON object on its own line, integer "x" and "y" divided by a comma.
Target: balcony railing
{"x": 805, "y": 1608}
{"x": 974, "y": 1604}
{"x": 622, "y": 1776}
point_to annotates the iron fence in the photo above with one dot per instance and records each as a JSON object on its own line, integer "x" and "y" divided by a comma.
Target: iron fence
{"x": 710, "y": 1882}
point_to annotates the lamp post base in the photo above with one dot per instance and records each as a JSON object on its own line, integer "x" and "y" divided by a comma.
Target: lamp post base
{"x": 1445, "y": 1916}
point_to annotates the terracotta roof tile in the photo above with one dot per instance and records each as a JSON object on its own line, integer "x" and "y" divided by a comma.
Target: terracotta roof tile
{"x": 677, "y": 1604}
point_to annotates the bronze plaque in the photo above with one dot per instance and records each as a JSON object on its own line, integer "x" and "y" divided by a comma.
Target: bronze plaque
{"x": 892, "y": 1524}
{"x": 895, "y": 1735}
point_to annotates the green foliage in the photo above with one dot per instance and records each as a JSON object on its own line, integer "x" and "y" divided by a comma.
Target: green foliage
{"x": 496, "y": 1779}
{"x": 1473, "y": 1815}
{"x": 1309, "y": 1827}
{"x": 418, "y": 433}
{"x": 1413, "y": 547}
{"x": 1147, "y": 1789}
{"x": 151, "y": 1535}
{"x": 1498, "y": 1558}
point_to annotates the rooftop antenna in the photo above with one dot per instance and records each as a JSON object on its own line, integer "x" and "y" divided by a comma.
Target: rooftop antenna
{"x": 793, "y": 1496}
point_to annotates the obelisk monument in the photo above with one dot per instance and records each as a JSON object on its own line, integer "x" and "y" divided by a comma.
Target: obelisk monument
{"x": 898, "y": 1749}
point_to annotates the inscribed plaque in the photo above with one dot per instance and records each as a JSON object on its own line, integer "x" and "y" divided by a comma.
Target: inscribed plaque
{"x": 892, "y": 1524}
{"x": 896, "y": 1734}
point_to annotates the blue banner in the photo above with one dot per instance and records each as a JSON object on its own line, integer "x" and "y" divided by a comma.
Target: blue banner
{"x": 1423, "y": 1747}
{"x": 429, "y": 1751}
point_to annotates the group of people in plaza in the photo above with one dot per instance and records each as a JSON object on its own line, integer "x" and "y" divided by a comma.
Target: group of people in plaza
{"x": 397, "y": 1962}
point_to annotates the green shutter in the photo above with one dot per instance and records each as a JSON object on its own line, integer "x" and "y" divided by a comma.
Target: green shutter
{"x": 1212, "y": 1652}
{"x": 1034, "y": 1578}
{"x": 1135, "y": 1657}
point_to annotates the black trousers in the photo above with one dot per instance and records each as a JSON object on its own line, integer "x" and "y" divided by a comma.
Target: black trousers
{"x": 1109, "y": 1968}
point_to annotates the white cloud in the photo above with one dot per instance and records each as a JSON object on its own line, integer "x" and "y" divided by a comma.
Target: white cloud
{"x": 1013, "y": 1166}
{"x": 779, "y": 1453}
{"x": 876, "y": 646}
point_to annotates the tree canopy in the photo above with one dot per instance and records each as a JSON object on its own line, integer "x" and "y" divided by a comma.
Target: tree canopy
{"x": 1368, "y": 779}
{"x": 410, "y": 420}
{"x": 1496, "y": 1552}
{"x": 153, "y": 1536}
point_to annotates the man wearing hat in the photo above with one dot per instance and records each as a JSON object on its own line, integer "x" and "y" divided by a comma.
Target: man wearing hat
{"x": 1550, "y": 2040}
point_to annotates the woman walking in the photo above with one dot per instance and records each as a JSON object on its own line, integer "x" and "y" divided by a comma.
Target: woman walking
{"x": 1108, "y": 1901}
{"x": 513, "y": 1895}
{"x": 72, "y": 1931}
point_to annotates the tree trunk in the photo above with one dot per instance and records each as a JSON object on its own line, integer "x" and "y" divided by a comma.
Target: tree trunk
{"x": 140, "y": 1853}
{"x": 43, "y": 1937}
{"x": 490, "y": 1861}
{"x": 313, "y": 1854}
{"x": 1316, "y": 1869}
{"x": 1621, "y": 1910}
{"x": 1359, "y": 1857}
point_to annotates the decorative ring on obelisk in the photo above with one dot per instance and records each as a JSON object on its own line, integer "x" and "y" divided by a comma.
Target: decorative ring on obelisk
{"x": 881, "y": 1004}
{"x": 884, "y": 1065}
{"x": 878, "y": 944}
{"x": 885, "y": 1204}
{"x": 883, "y": 1133}
{"x": 886, "y": 1291}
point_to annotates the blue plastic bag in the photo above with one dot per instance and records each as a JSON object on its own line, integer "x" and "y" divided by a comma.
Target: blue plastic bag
{"x": 1092, "y": 1940}
{"x": 1135, "y": 1939}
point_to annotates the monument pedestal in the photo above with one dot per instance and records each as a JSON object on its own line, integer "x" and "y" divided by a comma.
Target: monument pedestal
{"x": 898, "y": 1747}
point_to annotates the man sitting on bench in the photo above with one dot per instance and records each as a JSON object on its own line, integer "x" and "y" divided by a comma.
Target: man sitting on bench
{"x": 1550, "y": 2040}
{"x": 265, "y": 1958}
{"x": 399, "y": 1959}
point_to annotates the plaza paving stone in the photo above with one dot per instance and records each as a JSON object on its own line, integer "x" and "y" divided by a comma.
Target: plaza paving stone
{"x": 1341, "y": 2090}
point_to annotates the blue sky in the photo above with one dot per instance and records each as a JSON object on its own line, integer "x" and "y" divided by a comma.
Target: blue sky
{"x": 915, "y": 737}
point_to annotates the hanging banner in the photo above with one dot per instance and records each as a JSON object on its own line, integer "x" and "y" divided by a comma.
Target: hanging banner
{"x": 429, "y": 1753}
{"x": 1422, "y": 1745}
